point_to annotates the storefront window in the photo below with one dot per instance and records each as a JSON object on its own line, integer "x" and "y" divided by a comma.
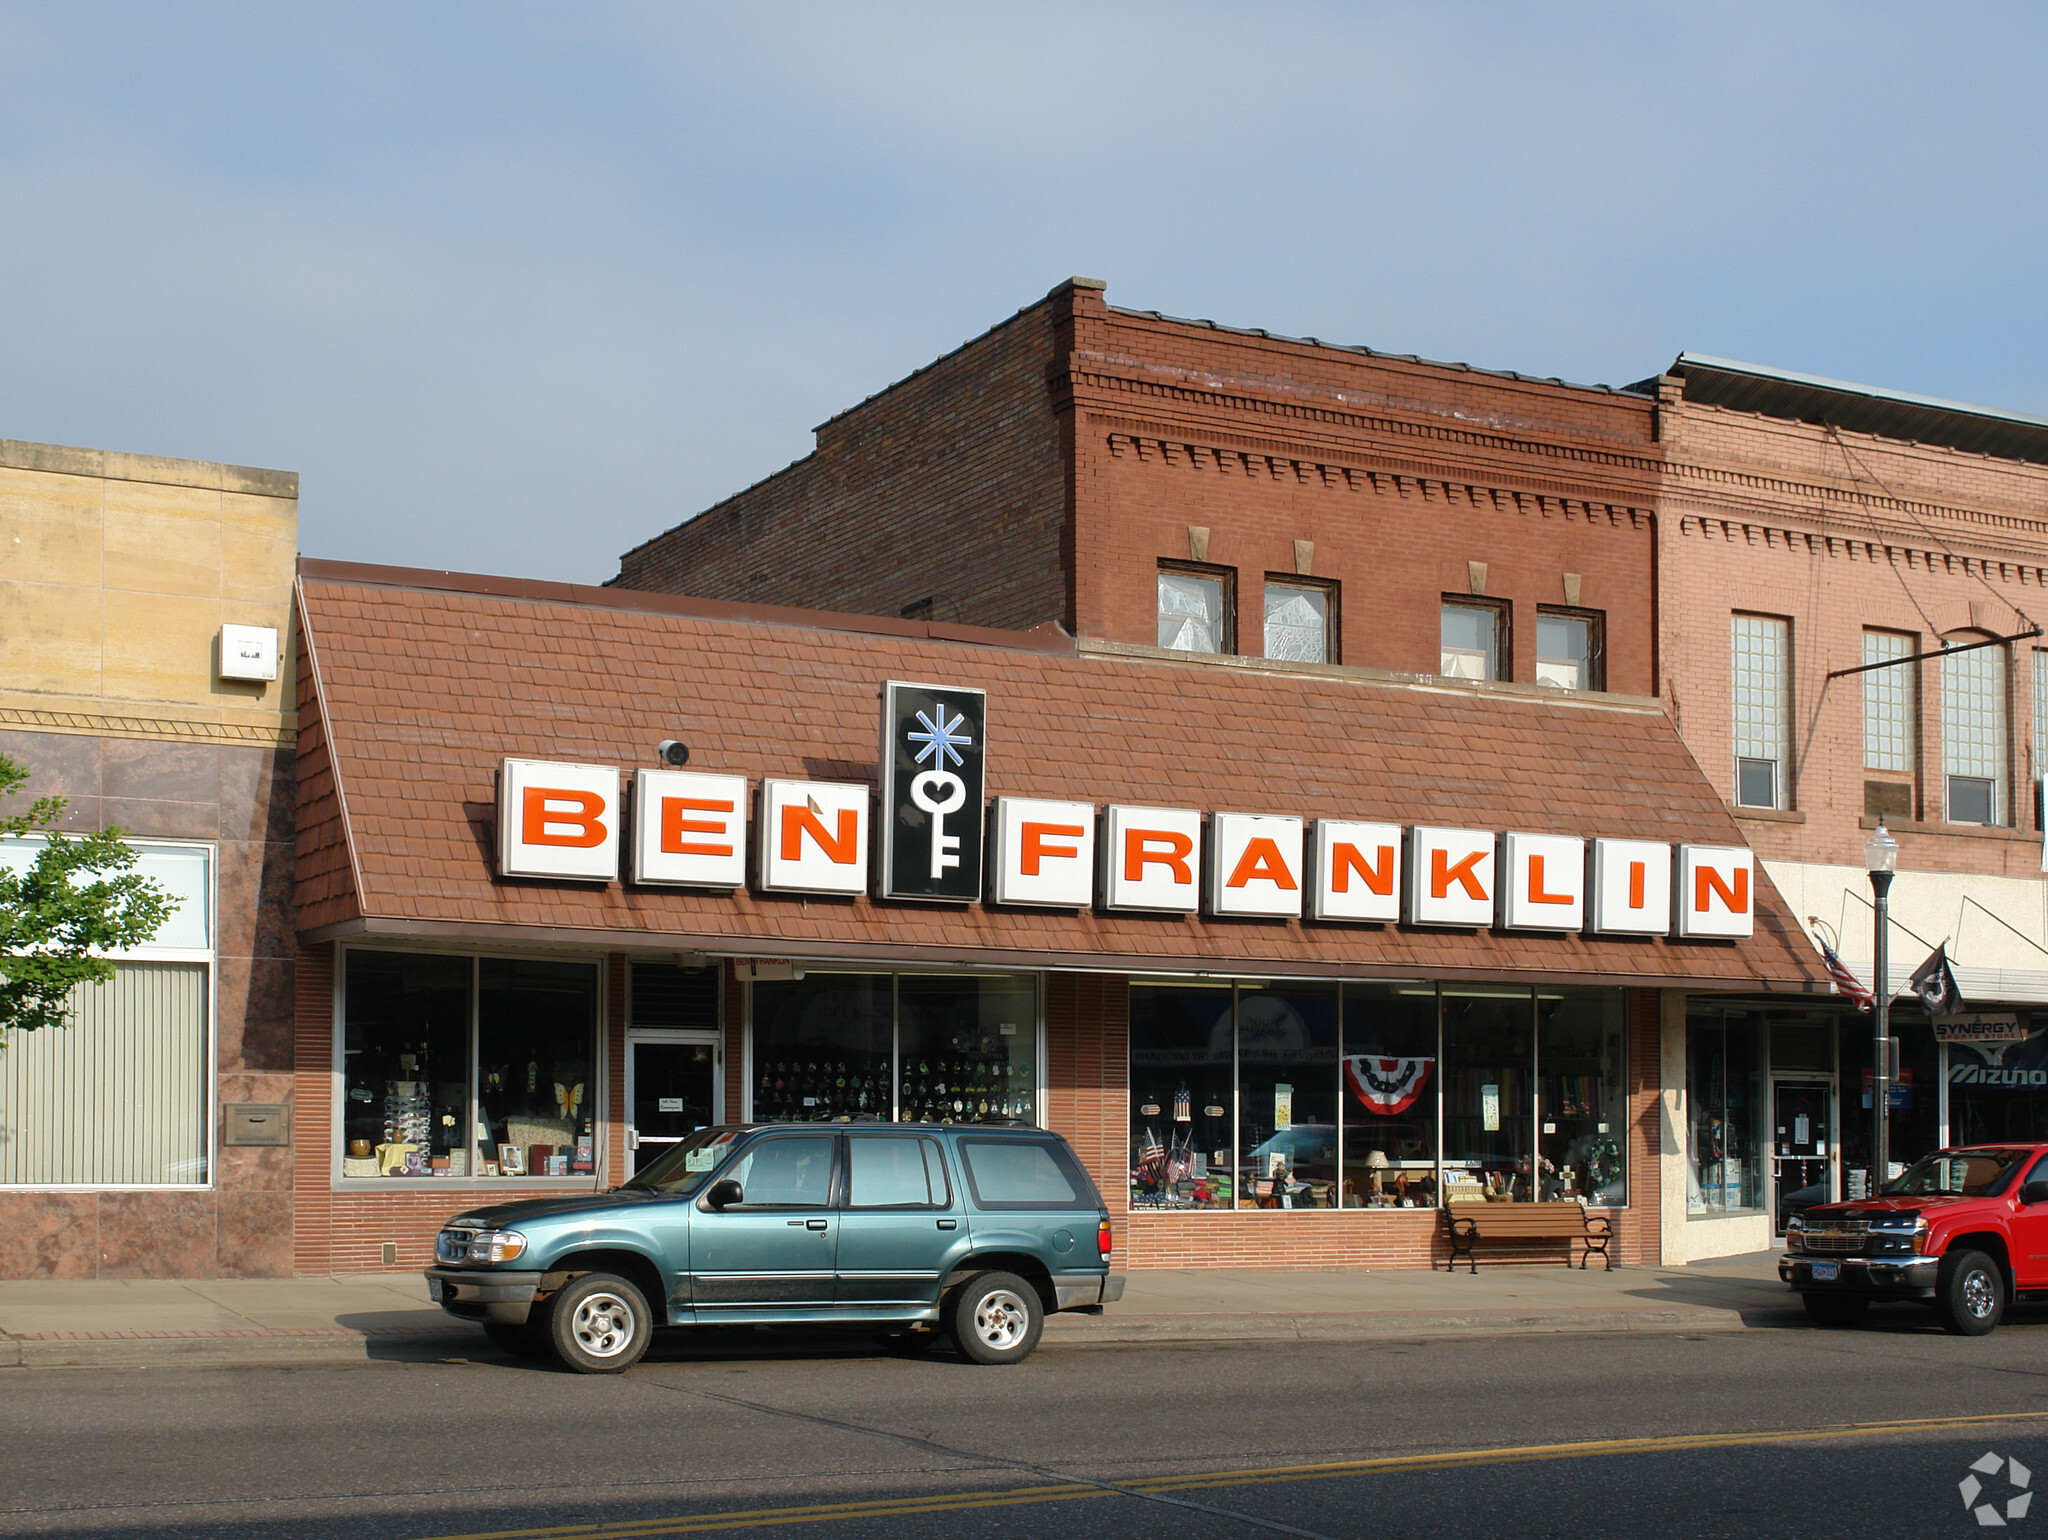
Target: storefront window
{"x": 1999, "y": 1091}
{"x": 535, "y": 1110}
{"x": 917, "y": 1048}
{"x": 1287, "y": 1096}
{"x": 1182, "y": 1096}
{"x": 1583, "y": 1108}
{"x": 1390, "y": 1094}
{"x": 1487, "y": 1092}
{"x": 822, "y": 1047}
{"x": 423, "y": 1034}
{"x": 1725, "y": 1104}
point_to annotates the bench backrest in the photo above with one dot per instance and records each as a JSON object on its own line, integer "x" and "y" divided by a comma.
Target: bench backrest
{"x": 1516, "y": 1219}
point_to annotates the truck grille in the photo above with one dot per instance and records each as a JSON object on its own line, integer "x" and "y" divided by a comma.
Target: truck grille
{"x": 452, "y": 1244}
{"x": 1840, "y": 1236}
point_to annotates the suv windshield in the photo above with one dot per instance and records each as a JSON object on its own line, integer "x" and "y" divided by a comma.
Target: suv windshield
{"x": 688, "y": 1166}
{"x": 1957, "y": 1174}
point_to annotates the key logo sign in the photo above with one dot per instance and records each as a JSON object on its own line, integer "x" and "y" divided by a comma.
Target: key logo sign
{"x": 933, "y": 759}
{"x": 689, "y": 830}
{"x": 558, "y": 820}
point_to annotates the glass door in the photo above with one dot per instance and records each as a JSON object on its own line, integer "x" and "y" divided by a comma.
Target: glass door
{"x": 673, "y": 1088}
{"x": 1801, "y": 1133}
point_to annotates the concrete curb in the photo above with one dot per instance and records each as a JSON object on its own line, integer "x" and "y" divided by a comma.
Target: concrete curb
{"x": 196, "y": 1350}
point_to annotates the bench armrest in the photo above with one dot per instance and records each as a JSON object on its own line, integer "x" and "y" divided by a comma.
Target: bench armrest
{"x": 1599, "y": 1224}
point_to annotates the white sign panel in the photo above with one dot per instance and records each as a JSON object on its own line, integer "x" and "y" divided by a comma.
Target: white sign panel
{"x": 1255, "y": 866}
{"x": 1151, "y": 858}
{"x": 558, "y": 820}
{"x": 1980, "y": 1027}
{"x": 1544, "y": 887}
{"x": 1044, "y": 853}
{"x": 1355, "y": 872}
{"x": 814, "y": 837}
{"x": 1631, "y": 883}
{"x": 1451, "y": 876}
{"x": 689, "y": 828}
{"x": 1716, "y": 891}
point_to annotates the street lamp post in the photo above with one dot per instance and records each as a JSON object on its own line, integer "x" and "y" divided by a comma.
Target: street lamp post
{"x": 1880, "y": 859}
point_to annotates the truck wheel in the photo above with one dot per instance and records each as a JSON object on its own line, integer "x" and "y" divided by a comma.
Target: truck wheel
{"x": 996, "y": 1318}
{"x": 1834, "y": 1309}
{"x": 1969, "y": 1294}
{"x": 518, "y": 1341}
{"x": 600, "y": 1324}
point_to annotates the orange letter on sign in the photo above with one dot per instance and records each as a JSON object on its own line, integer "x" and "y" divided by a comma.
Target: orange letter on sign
{"x": 1035, "y": 836}
{"x": 1705, "y": 878}
{"x": 1635, "y": 884}
{"x": 1173, "y": 852}
{"x": 1377, "y": 879}
{"x": 1442, "y": 874}
{"x": 1262, "y": 858}
{"x": 585, "y": 821}
{"x": 797, "y": 821}
{"x": 674, "y": 826}
{"x": 1536, "y": 893}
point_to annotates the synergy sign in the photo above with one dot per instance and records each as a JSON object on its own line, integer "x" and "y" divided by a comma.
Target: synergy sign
{"x": 930, "y": 833}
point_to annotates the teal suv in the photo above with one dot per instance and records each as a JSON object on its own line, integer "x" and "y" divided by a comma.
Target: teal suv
{"x": 906, "y": 1230}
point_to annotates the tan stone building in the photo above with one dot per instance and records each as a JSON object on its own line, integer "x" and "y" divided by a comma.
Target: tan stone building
{"x": 133, "y": 591}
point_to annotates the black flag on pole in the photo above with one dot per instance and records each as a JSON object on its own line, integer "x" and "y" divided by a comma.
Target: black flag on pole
{"x": 1935, "y": 984}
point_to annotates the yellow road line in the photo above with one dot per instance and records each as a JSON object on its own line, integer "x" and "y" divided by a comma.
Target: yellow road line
{"x": 951, "y": 1502}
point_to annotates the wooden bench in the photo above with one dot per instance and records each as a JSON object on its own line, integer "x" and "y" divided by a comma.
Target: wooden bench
{"x": 1514, "y": 1230}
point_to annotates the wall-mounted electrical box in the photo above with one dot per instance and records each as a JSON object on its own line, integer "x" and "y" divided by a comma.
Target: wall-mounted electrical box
{"x": 248, "y": 652}
{"x": 256, "y": 1123}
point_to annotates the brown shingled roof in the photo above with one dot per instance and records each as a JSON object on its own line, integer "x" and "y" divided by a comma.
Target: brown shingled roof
{"x": 416, "y": 684}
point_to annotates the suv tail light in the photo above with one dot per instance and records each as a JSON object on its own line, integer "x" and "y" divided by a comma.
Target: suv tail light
{"x": 1102, "y": 1239}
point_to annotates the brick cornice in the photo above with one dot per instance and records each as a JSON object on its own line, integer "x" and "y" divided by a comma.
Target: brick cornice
{"x": 1844, "y": 545}
{"x": 1713, "y": 491}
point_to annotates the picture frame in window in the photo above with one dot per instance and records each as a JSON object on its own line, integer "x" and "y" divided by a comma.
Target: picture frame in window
{"x": 1501, "y": 614}
{"x": 1224, "y": 622}
{"x": 511, "y": 1160}
{"x": 1329, "y": 591}
{"x": 1594, "y": 661}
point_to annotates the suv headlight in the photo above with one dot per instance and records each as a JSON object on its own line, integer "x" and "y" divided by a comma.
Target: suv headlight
{"x": 496, "y": 1246}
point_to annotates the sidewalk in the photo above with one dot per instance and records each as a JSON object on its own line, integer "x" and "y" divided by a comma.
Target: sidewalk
{"x": 207, "y": 1323}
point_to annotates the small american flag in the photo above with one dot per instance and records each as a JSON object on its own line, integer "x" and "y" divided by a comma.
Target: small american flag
{"x": 1845, "y": 981}
{"x": 1151, "y": 1155}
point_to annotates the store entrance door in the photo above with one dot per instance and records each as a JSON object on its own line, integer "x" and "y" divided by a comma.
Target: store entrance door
{"x": 1802, "y": 1134}
{"x": 673, "y": 1088}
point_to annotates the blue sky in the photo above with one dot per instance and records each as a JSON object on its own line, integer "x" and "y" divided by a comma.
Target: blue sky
{"x": 515, "y": 287}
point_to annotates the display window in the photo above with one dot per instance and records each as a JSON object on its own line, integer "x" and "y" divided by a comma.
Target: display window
{"x": 1724, "y": 1096}
{"x": 459, "y": 1066}
{"x": 1376, "y": 1094}
{"x": 910, "y": 1048}
{"x": 1997, "y": 1091}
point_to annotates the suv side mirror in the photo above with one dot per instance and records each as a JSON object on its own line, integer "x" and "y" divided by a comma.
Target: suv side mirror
{"x": 2035, "y": 1191}
{"x": 726, "y": 1191}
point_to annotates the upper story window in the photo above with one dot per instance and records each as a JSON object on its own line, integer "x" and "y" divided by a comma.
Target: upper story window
{"x": 1890, "y": 717}
{"x": 1973, "y": 734}
{"x": 1197, "y": 607}
{"x": 1761, "y": 676}
{"x": 2040, "y": 735}
{"x": 1301, "y": 620}
{"x": 1571, "y": 649}
{"x": 1474, "y": 636}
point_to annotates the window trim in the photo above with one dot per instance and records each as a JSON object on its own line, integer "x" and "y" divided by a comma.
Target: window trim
{"x": 1596, "y": 642}
{"x": 2003, "y": 812}
{"x": 1503, "y": 634}
{"x": 1228, "y": 623}
{"x": 1331, "y": 590}
{"x": 926, "y": 1145}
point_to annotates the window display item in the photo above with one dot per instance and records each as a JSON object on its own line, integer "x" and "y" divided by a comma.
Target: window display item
{"x": 391, "y": 1158}
{"x": 511, "y": 1160}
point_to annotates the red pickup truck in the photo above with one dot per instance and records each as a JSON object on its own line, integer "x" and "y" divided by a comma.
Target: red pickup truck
{"x": 1963, "y": 1230}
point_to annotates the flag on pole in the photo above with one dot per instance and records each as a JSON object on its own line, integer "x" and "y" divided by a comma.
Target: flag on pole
{"x": 1846, "y": 983}
{"x": 1935, "y": 983}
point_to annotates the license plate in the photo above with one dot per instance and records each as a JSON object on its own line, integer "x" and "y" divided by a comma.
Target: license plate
{"x": 1826, "y": 1272}
{"x": 436, "y": 1290}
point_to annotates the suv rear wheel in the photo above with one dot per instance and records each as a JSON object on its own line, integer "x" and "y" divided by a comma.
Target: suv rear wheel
{"x": 1834, "y": 1309}
{"x": 600, "y": 1324}
{"x": 996, "y": 1318}
{"x": 1969, "y": 1294}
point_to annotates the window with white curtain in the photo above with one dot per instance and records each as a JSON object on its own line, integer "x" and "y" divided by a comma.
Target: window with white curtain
{"x": 1973, "y": 734}
{"x": 1762, "y": 679}
{"x": 1888, "y": 715}
{"x": 118, "y": 1097}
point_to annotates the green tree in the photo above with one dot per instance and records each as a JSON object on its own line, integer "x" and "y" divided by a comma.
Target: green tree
{"x": 75, "y": 902}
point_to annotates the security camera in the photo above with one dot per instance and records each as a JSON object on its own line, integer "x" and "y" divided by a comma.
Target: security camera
{"x": 674, "y": 752}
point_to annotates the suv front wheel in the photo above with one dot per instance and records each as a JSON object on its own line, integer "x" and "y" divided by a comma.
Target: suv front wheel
{"x": 599, "y": 1324}
{"x": 996, "y": 1318}
{"x": 1969, "y": 1294}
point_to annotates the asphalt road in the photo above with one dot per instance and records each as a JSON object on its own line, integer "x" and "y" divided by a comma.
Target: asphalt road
{"x": 1763, "y": 1432}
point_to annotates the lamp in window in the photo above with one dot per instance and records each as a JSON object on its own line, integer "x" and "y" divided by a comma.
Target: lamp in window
{"x": 1376, "y": 1162}
{"x": 1881, "y": 860}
